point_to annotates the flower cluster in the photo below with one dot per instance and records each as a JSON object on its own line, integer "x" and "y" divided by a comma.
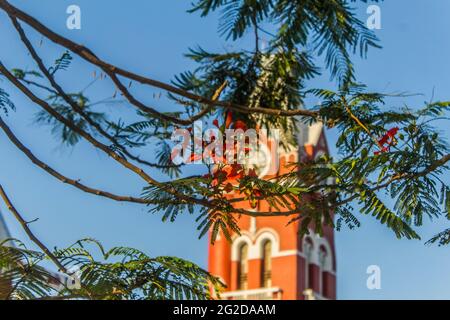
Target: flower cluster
{"x": 387, "y": 140}
{"x": 228, "y": 177}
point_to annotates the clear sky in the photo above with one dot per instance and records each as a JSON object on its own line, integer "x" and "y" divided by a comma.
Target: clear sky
{"x": 150, "y": 37}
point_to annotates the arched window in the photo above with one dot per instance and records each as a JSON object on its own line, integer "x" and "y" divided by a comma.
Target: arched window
{"x": 308, "y": 248}
{"x": 323, "y": 256}
{"x": 243, "y": 267}
{"x": 266, "y": 268}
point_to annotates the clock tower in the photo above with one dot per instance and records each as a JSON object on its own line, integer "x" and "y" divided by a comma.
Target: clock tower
{"x": 269, "y": 260}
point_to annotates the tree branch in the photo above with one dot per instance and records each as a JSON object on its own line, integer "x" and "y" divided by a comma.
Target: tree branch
{"x": 59, "y": 91}
{"x": 61, "y": 177}
{"x": 89, "y": 56}
{"x": 30, "y": 234}
{"x": 139, "y": 171}
{"x": 433, "y": 166}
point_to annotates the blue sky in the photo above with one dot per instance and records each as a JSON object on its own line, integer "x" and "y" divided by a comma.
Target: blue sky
{"x": 150, "y": 37}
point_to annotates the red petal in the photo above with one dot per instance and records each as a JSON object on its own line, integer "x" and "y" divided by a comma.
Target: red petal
{"x": 252, "y": 173}
{"x": 383, "y": 140}
{"x": 393, "y": 132}
{"x": 229, "y": 120}
{"x": 240, "y": 125}
{"x": 228, "y": 187}
{"x": 236, "y": 168}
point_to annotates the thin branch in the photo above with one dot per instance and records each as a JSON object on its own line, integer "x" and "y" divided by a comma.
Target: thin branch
{"x": 59, "y": 91}
{"x": 38, "y": 85}
{"x": 139, "y": 171}
{"x": 433, "y": 166}
{"x": 30, "y": 234}
{"x": 61, "y": 177}
{"x": 43, "y": 104}
{"x": 359, "y": 122}
{"x": 89, "y": 56}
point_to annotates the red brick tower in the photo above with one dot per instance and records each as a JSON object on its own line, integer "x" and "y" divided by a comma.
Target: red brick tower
{"x": 269, "y": 260}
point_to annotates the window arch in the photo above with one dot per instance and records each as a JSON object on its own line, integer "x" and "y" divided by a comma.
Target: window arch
{"x": 266, "y": 266}
{"x": 308, "y": 249}
{"x": 242, "y": 271}
{"x": 323, "y": 257}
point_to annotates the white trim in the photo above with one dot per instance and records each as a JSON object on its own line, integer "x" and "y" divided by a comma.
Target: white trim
{"x": 237, "y": 243}
{"x": 265, "y": 234}
{"x": 309, "y": 294}
{"x": 329, "y": 258}
{"x": 317, "y": 243}
{"x": 254, "y": 243}
{"x": 287, "y": 253}
{"x": 268, "y": 292}
{"x": 253, "y": 226}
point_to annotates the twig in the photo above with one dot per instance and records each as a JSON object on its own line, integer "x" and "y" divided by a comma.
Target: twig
{"x": 61, "y": 177}
{"x": 110, "y": 69}
{"x": 30, "y": 234}
{"x": 347, "y": 108}
{"x": 59, "y": 91}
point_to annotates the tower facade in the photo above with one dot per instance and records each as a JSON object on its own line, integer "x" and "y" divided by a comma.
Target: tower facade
{"x": 4, "y": 234}
{"x": 269, "y": 260}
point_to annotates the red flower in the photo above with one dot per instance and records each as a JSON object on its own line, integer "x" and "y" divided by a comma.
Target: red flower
{"x": 216, "y": 123}
{"x": 388, "y": 137}
{"x": 233, "y": 172}
{"x": 383, "y": 150}
{"x": 240, "y": 125}
{"x": 236, "y": 171}
{"x": 228, "y": 187}
{"x": 228, "y": 120}
{"x": 257, "y": 193}
{"x": 195, "y": 157}
{"x": 252, "y": 173}
{"x": 220, "y": 174}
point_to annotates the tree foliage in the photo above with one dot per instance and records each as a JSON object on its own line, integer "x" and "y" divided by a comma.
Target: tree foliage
{"x": 100, "y": 274}
{"x": 118, "y": 273}
{"x": 391, "y": 161}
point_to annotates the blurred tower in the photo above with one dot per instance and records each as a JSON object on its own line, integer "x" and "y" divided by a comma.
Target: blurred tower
{"x": 4, "y": 233}
{"x": 269, "y": 260}
{"x": 5, "y": 285}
